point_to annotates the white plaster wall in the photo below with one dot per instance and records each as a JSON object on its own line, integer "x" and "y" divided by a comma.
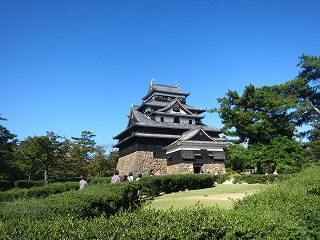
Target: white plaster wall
{"x": 171, "y": 119}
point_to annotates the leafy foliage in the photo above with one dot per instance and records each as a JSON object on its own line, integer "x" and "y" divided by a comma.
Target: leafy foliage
{"x": 7, "y": 145}
{"x": 288, "y": 210}
{"x": 257, "y": 116}
{"x": 153, "y": 186}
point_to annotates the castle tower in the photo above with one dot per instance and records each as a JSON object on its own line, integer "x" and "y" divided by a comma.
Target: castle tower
{"x": 166, "y": 133}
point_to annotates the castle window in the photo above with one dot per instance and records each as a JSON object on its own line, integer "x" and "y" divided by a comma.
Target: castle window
{"x": 190, "y": 121}
{"x": 176, "y": 108}
{"x": 162, "y": 119}
{"x": 176, "y": 120}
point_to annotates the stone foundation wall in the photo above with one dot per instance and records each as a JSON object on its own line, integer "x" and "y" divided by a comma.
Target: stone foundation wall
{"x": 212, "y": 168}
{"x": 143, "y": 162}
{"x": 180, "y": 168}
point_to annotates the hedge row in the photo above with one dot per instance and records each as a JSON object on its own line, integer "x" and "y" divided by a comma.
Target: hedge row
{"x": 288, "y": 210}
{"x": 261, "y": 179}
{"x": 6, "y": 185}
{"x": 154, "y": 185}
{"x": 90, "y": 202}
{"x": 37, "y": 192}
{"x": 96, "y": 199}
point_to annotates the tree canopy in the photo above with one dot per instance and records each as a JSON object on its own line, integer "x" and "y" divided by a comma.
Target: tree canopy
{"x": 267, "y": 120}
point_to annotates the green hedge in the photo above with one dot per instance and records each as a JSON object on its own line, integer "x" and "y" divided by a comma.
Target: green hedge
{"x": 37, "y": 192}
{"x": 288, "y": 210}
{"x": 154, "y": 185}
{"x": 262, "y": 179}
{"x": 6, "y": 185}
{"x": 97, "y": 180}
{"x": 89, "y": 202}
{"x": 29, "y": 183}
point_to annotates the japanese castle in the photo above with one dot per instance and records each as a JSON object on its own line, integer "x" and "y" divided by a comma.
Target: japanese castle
{"x": 166, "y": 133}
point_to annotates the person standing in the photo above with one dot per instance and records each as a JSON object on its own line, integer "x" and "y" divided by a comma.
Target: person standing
{"x": 158, "y": 173}
{"x": 139, "y": 177}
{"x": 130, "y": 177}
{"x": 125, "y": 178}
{"x": 115, "y": 178}
{"x": 83, "y": 182}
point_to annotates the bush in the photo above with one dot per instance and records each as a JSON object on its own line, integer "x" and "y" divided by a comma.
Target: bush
{"x": 261, "y": 179}
{"x": 37, "y": 192}
{"x": 221, "y": 178}
{"x": 288, "y": 210}
{"x": 154, "y": 185}
{"x": 28, "y": 183}
{"x": 89, "y": 202}
{"x": 97, "y": 180}
{"x": 63, "y": 180}
{"x": 6, "y": 185}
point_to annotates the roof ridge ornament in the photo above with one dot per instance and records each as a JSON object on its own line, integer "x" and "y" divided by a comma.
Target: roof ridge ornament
{"x": 177, "y": 85}
{"x": 152, "y": 81}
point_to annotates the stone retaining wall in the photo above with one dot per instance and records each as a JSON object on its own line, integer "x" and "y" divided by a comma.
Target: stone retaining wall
{"x": 143, "y": 162}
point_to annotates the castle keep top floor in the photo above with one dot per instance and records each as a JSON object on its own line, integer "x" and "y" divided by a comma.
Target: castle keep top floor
{"x": 164, "y": 113}
{"x": 168, "y": 104}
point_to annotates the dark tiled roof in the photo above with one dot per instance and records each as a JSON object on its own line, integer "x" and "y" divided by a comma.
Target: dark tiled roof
{"x": 147, "y": 135}
{"x": 171, "y": 105}
{"x": 145, "y": 121}
{"x": 176, "y": 114}
{"x": 191, "y": 133}
{"x": 162, "y": 111}
{"x": 165, "y": 89}
{"x": 186, "y": 136}
{"x": 164, "y": 104}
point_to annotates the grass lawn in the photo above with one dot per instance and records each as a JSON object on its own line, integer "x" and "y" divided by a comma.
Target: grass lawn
{"x": 221, "y": 196}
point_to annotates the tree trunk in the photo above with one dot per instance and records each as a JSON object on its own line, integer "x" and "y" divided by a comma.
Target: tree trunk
{"x": 46, "y": 177}
{"x": 259, "y": 169}
{"x": 314, "y": 107}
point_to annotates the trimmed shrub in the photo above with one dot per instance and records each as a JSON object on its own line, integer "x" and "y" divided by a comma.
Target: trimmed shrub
{"x": 28, "y": 183}
{"x": 89, "y": 202}
{"x": 154, "y": 185}
{"x": 97, "y": 180}
{"x": 6, "y": 185}
{"x": 288, "y": 210}
{"x": 221, "y": 178}
{"x": 37, "y": 192}
{"x": 262, "y": 179}
{"x": 63, "y": 180}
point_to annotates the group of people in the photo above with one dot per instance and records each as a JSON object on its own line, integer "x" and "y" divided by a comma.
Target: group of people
{"x": 126, "y": 178}
{"x": 116, "y": 178}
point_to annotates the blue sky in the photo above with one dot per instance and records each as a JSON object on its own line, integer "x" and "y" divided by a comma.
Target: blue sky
{"x": 69, "y": 66}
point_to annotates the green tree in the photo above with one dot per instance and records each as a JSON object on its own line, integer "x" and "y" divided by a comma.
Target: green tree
{"x": 237, "y": 157}
{"x": 86, "y": 145}
{"x": 281, "y": 153}
{"x": 112, "y": 162}
{"x": 7, "y": 144}
{"x": 98, "y": 164}
{"x": 66, "y": 166}
{"x": 257, "y": 116}
{"x": 270, "y": 116}
{"x": 39, "y": 153}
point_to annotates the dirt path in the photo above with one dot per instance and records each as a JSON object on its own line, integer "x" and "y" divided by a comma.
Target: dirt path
{"x": 220, "y": 196}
